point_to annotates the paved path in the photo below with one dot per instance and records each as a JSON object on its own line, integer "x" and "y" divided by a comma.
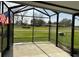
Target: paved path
{"x": 36, "y": 49}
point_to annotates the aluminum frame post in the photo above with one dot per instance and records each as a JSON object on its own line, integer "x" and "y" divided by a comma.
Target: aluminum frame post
{"x": 33, "y": 28}
{"x": 72, "y": 37}
{"x": 13, "y": 30}
{"x": 2, "y": 32}
{"x": 57, "y": 30}
{"x": 49, "y": 28}
{"x": 8, "y": 32}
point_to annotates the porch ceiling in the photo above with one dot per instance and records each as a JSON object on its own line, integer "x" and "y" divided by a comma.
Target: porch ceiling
{"x": 58, "y": 6}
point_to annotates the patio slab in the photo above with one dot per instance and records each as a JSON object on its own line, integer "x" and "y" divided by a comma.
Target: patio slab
{"x": 36, "y": 49}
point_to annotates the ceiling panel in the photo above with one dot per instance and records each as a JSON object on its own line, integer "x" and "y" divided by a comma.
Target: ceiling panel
{"x": 74, "y": 5}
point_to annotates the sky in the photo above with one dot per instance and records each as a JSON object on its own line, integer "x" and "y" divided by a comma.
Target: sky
{"x": 53, "y": 18}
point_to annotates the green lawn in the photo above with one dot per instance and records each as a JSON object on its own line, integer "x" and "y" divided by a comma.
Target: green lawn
{"x": 41, "y": 34}
{"x": 25, "y": 34}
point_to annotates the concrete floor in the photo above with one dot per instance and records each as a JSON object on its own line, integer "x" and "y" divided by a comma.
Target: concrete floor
{"x": 36, "y": 49}
{"x": 0, "y": 54}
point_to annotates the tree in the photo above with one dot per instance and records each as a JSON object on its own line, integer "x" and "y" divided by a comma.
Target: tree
{"x": 65, "y": 22}
{"x": 41, "y": 22}
{"x": 37, "y": 22}
{"x": 18, "y": 22}
{"x": 22, "y": 17}
{"x": 49, "y": 22}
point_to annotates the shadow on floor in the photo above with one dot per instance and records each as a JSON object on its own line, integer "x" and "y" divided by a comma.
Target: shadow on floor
{"x": 76, "y": 52}
{"x": 9, "y": 53}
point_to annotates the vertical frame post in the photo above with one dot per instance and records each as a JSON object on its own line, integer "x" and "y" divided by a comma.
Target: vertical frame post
{"x": 2, "y": 32}
{"x": 57, "y": 30}
{"x": 33, "y": 28}
{"x": 49, "y": 28}
{"x": 72, "y": 37}
{"x": 8, "y": 32}
{"x": 13, "y": 30}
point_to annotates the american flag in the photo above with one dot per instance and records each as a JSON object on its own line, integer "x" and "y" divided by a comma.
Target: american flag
{"x": 4, "y": 18}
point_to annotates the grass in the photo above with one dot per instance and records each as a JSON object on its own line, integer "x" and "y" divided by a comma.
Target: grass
{"x": 42, "y": 34}
{"x": 25, "y": 34}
